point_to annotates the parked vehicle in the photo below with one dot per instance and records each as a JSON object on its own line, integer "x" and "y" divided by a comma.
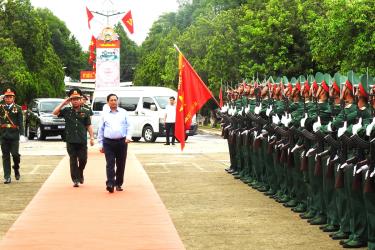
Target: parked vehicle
{"x": 146, "y": 110}
{"x": 40, "y": 121}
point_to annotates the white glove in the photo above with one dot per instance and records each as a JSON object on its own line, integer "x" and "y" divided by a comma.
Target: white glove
{"x": 295, "y": 148}
{"x": 357, "y": 126}
{"x": 329, "y": 127}
{"x": 317, "y": 125}
{"x": 329, "y": 158}
{"x": 303, "y": 121}
{"x": 363, "y": 168}
{"x": 309, "y": 152}
{"x": 255, "y": 134}
{"x": 342, "y": 130}
{"x": 23, "y": 139}
{"x": 257, "y": 109}
{"x": 288, "y": 119}
{"x": 372, "y": 174}
{"x": 370, "y": 126}
{"x": 283, "y": 119}
{"x": 268, "y": 111}
{"x": 275, "y": 119}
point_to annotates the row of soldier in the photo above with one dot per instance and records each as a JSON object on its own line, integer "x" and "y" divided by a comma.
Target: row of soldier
{"x": 309, "y": 144}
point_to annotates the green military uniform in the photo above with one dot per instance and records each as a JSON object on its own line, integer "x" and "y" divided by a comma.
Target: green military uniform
{"x": 11, "y": 127}
{"x": 89, "y": 110}
{"x": 76, "y": 123}
{"x": 369, "y": 191}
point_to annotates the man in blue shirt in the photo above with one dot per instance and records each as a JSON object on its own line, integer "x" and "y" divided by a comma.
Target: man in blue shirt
{"x": 114, "y": 134}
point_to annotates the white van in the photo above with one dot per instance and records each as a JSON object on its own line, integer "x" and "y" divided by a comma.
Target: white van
{"x": 145, "y": 107}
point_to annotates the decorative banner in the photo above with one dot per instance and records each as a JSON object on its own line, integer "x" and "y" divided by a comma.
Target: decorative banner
{"x": 128, "y": 22}
{"x": 107, "y": 64}
{"x": 90, "y": 16}
{"x": 87, "y": 76}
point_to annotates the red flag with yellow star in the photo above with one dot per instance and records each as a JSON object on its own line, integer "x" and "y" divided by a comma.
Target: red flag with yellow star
{"x": 128, "y": 22}
{"x": 192, "y": 95}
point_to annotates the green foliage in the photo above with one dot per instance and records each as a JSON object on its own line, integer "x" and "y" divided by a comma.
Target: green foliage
{"x": 229, "y": 40}
{"x": 29, "y": 62}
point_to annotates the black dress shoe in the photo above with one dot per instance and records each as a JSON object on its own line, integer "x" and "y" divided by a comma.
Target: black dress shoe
{"x": 82, "y": 179}
{"x": 119, "y": 188}
{"x": 76, "y": 184}
{"x": 166, "y": 143}
{"x": 172, "y": 143}
{"x": 17, "y": 174}
{"x": 8, "y": 180}
{"x": 110, "y": 189}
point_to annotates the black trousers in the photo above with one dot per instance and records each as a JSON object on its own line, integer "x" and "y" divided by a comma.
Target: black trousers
{"x": 115, "y": 154}
{"x": 169, "y": 129}
{"x": 78, "y": 159}
{"x": 9, "y": 147}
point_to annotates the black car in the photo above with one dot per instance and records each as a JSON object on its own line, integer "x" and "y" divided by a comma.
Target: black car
{"x": 40, "y": 121}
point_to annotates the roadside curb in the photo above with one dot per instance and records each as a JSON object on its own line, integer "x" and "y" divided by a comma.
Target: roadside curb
{"x": 208, "y": 132}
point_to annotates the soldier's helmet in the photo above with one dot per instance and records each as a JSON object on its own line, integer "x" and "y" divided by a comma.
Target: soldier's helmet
{"x": 336, "y": 83}
{"x": 9, "y": 92}
{"x": 74, "y": 93}
{"x": 364, "y": 85}
{"x": 313, "y": 85}
{"x": 351, "y": 81}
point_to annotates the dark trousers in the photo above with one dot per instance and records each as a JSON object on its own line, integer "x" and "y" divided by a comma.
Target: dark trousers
{"x": 78, "y": 159}
{"x": 10, "y": 147}
{"x": 115, "y": 154}
{"x": 169, "y": 128}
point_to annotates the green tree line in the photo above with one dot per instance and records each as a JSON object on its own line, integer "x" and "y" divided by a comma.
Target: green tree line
{"x": 230, "y": 40}
{"x": 36, "y": 51}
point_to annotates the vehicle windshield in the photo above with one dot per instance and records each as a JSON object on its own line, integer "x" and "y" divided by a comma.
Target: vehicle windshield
{"x": 48, "y": 107}
{"x": 162, "y": 101}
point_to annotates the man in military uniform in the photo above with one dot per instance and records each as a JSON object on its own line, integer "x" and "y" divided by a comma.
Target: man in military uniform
{"x": 11, "y": 131}
{"x": 85, "y": 105}
{"x": 77, "y": 123}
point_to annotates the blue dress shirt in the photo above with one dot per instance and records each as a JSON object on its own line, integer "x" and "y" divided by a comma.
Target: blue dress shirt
{"x": 114, "y": 125}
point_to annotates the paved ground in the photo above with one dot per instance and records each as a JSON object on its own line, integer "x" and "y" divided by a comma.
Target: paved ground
{"x": 209, "y": 208}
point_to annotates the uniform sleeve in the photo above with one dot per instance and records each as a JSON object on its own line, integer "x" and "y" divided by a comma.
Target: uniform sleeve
{"x": 62, "y": 112}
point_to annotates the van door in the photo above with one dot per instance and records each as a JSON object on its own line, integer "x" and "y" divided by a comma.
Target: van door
{"x": 151, "y": 115}
{"x": 130, "y": 104}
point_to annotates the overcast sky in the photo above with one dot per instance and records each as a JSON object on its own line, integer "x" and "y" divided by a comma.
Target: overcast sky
{"x": 73, "y": 13}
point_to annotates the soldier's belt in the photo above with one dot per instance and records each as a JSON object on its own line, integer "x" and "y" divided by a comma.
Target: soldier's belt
{"x": 8, "y": 126}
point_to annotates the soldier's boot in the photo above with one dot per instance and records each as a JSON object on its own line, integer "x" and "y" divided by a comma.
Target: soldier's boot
{"x": 318, "y": 220}
{"x": 270, "y": 192}
{"x": 329, "y": 228}
{"x": 300, "y": 208}
{"x": 291, "y": 203}
{"x": 17, "y": 172}
{"x": 248, "y": 180}
{"x": 339, "y": 235}
{"x": 354, "y": 244}
{"x": 285, "y": 198}
{"x": 307, "y": 215}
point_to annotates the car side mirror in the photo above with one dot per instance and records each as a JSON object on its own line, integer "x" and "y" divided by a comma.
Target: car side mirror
{"x": 34, "y": 109}
{"x": 153, "y": 107}
{"x": 136, "y": 112}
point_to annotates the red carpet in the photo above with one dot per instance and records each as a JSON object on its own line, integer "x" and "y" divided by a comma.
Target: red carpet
{"x": 88, "y": 217}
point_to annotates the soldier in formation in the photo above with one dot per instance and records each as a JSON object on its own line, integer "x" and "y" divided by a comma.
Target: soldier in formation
{"x": 309, "y": 143}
